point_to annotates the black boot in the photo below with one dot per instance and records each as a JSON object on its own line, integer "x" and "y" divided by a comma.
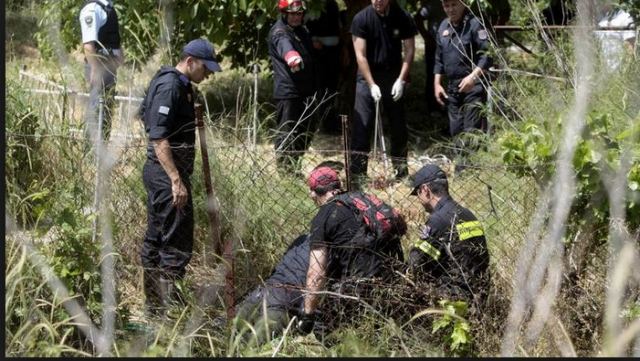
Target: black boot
{"x": 153, "y": 299}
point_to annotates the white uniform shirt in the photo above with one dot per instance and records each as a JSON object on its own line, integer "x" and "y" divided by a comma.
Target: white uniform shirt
{"x": 612, "y": 41}
{"x": 92, "y": 18}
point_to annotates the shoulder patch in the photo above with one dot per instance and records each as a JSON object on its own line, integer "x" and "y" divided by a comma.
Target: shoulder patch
{"x": 425, "y": 232}
{"x": 164, "y": 110}
{"x": 88, "y": 20}
{"x": 482, "y": 34}
{"x": 445, "y": 33}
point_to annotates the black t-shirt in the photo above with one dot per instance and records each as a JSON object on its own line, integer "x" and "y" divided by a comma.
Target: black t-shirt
{"x": 168, "y": 113}
{"x": 334, "y": 227}
{"x": 384, "y": 35}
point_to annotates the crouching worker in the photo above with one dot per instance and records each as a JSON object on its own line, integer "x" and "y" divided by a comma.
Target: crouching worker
{"x": 355, "y": 244}
{"x": 451, "y": 251}
{"x": 270, "y": 307}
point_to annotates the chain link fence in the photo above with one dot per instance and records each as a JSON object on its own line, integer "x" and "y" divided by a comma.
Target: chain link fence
{"x": 261, "y": 210}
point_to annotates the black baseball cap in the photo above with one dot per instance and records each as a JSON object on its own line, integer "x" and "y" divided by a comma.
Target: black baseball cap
{"x": 203, "y": 50}
{"x": 426, "y": 174}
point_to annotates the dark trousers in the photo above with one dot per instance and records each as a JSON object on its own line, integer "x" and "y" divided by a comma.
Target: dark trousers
{"x": 104, "y": 86}
{"x": 168, "y": 242}
{"x": 363, "y": 125}
{"x": 295, "y": 131}
{"x": 465, "y": 109}
{"x": 281, "y": 303}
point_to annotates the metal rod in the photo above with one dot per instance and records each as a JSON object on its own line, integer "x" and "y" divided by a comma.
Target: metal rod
{"x": 346, "y": 148}
{"x": 256, "y": 70}
{"x": 212, "y": 204}
{"x": 98, "y": 143}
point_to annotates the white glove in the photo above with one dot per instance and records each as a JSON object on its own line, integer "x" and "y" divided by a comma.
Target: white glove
{"x": 376, "y": 94}
{"x": 397, "y": 89}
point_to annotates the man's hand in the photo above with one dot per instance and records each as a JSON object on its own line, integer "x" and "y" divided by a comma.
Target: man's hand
{"x": 397, "y": 89}
{"x": 294, "y": 61}
{"x": 306, "y": 322}
{"x": 467, "y": 83}
{"x": 179, "y": 192}
{"x": 440, "y": 94}
{"x": 376, "y": 94}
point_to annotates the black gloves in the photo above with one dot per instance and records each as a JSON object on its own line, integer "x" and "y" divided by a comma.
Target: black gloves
{"x": 305, "y": 323}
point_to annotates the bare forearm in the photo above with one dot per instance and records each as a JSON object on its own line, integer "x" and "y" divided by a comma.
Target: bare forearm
{"x": 90, "y": 54}
{"x": 437, "y": 80}
{"x": 360, "y": 48}
{"x": 163, "y": 152}
{"x": 409, "y": 53}
{"x": 316, "y": 278}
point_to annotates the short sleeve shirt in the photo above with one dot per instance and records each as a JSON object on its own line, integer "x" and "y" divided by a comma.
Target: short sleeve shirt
{"x": 92, "y": 18}
{"x": 461, "y": 48}
{"x": 169, "y": 114}
{"x": 334, "y": 227}
{"x": 384, "y": 35}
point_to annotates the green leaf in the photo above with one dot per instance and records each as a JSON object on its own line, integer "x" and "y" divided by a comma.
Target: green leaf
{"x": 440, "y": 323}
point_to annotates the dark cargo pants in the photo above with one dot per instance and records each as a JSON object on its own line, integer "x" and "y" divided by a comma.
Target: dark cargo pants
{"x": 168, "y": 242}
{"x": 295, "y": 131}
{"x": 363, "y": 125}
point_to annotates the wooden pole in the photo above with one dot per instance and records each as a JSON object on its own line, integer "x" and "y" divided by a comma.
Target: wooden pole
{"x": 213, "y": 208}
{"x": 213, "y": 211}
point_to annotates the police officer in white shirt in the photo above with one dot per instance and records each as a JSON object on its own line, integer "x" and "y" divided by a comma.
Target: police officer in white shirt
{"x": 103, "y": 55}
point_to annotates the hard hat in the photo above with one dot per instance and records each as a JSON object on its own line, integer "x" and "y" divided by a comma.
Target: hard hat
{"x": 291, "y": 6}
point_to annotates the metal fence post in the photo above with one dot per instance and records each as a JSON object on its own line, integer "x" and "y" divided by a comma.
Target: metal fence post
{"x": 98, "y": 143}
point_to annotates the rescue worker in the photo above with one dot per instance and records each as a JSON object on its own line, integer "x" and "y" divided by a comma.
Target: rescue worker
{"x": 102, "y": 56}
{"x": 380, "y": 34}
{"x": 461, "y": 56}
{"x": 343, "y": 252}
{"x": 451, "y": 251}
{"x": 169, "y": 118}
{"x": 294, "y": 83}
{"x": 281, "y": 293}
{"x": 428, "y": 18}
{"x": 325, "y": 36}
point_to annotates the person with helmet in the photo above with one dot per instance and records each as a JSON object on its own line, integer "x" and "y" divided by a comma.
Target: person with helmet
{"x": 381, "y": 33}
{"x": 451, "y": 251}
{"x": 102, "y": 56}
{"x": 168, "y": 113}
{"x": 343, "y": 250}
{"x": 294, "y": 83}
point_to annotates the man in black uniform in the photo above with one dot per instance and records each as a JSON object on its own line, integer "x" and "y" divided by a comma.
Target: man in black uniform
{"x": 428, "y": 18}
{"x": 452, "y": 250}
{"x": 342, "y": 250}
{"x": 380, "y": 32}
{"x": 294, "y": 82}
{"x": 169, "y": 118}
{"x": 461, "y": 56}
{"x": 325, "y": 35}
{"x": 103, "y": 55}
{"x": 281, "y": 293}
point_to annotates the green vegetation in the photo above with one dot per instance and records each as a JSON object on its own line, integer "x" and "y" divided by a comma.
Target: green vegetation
{"x": 50, "y": 185}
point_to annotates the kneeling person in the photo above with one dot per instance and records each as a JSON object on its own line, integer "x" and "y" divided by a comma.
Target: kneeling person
{"x": 354, "y": 236}
{"x": 452, "y": 249}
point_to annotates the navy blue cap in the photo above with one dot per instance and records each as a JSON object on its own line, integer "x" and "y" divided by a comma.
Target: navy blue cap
{"x": 426, "y": 174}
{"x": 203, "y": 50}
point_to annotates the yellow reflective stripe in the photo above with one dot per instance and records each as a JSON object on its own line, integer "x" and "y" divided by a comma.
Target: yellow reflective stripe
{"x": 427, "y": 248}
{"x": 470, "y": 229}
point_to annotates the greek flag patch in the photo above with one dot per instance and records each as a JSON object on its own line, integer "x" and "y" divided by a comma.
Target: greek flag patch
{"x": 163, "y": 110}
